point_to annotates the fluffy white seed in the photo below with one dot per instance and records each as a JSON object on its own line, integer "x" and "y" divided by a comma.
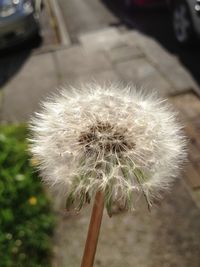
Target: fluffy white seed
{"x": 118, "y": 140}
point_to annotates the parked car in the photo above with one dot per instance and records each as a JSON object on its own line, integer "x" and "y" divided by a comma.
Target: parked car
{"x": 185, "y": 20}
{"x": 19, "y": 20}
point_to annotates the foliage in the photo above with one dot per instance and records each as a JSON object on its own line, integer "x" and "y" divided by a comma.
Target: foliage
{"x": 26, "y": 220}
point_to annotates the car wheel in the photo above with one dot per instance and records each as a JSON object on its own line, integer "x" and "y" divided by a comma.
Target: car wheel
{"x": 182, "y": 23}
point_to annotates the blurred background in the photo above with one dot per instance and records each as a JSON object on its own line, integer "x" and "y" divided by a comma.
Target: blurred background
{"x": 47, "y": 44}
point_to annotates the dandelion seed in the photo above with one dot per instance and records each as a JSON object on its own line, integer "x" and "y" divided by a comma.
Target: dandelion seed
{"x": 118, "y": 141}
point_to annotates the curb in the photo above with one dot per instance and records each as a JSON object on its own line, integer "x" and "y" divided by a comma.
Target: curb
{"x": 59, "y": 23}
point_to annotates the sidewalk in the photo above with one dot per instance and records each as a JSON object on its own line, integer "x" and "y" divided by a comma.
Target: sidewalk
{"x": 106, "y": 55}
{"x": 111, "y": 56}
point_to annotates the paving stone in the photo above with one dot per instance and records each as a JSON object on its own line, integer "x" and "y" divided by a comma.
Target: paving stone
{"x": 193, "y": 134}
{"x": 167, "y": 63}
{"x": 188, "y": 104}
{"x": 100, "y": 77}
{"x": 194, "y": 153}
{"x": 141, "y": 73}
{"x": 23, "y": 93}
{"x": 192, "y": 176}
{"x": 103, "y": 39}
{"x": 152, "y": 49}
{"x": 132, "y": 37}
{"x": 124, "y": 52}
{"x": 196, "y": 123}
{"x": 180, "y": 79}
{"x": 76, "y": 61}
{"x": 194, "y": 144}
{"x": 196, "y": 196}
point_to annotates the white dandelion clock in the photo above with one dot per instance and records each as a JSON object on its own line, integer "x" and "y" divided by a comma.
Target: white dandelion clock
{"x": 110, "y": 142}
{"x": 120, "y": 142}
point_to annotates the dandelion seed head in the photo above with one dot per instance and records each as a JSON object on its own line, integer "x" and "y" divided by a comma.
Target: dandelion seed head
{"x": 120, "y": 141}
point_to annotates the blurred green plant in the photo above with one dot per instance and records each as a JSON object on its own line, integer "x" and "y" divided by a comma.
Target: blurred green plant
{"x": 26, "y": 219}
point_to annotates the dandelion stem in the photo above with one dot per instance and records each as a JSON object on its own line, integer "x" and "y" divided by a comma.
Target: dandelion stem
{"x": 93, "y": 231}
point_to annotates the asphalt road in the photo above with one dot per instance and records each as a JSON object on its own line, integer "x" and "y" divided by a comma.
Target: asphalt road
{"x": 88, "y": 15}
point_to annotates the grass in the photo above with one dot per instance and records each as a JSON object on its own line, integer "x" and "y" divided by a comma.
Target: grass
{"x": 26, "y": 219}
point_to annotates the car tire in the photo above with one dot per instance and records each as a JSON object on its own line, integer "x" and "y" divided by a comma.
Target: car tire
{"x": 182, "y": 23}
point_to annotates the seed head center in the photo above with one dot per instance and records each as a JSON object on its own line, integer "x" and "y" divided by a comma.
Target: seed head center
{"x": 103, "y": 136}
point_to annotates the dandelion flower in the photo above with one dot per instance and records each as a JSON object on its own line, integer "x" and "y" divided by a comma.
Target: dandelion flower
{"x": 120, "y": 141}
{"x": 32, "y": 201}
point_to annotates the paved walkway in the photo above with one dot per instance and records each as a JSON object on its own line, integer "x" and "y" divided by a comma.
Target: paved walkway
{"x": 189, "y": 107}
{"x": 169, "y": 236}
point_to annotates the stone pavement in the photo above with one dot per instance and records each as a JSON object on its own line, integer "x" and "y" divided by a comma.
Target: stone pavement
{"x": 169, "y": 236}
{"x": 166, "y": 237}
{"x": 112, "y": 56}
{"x": 189, "y": 107}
